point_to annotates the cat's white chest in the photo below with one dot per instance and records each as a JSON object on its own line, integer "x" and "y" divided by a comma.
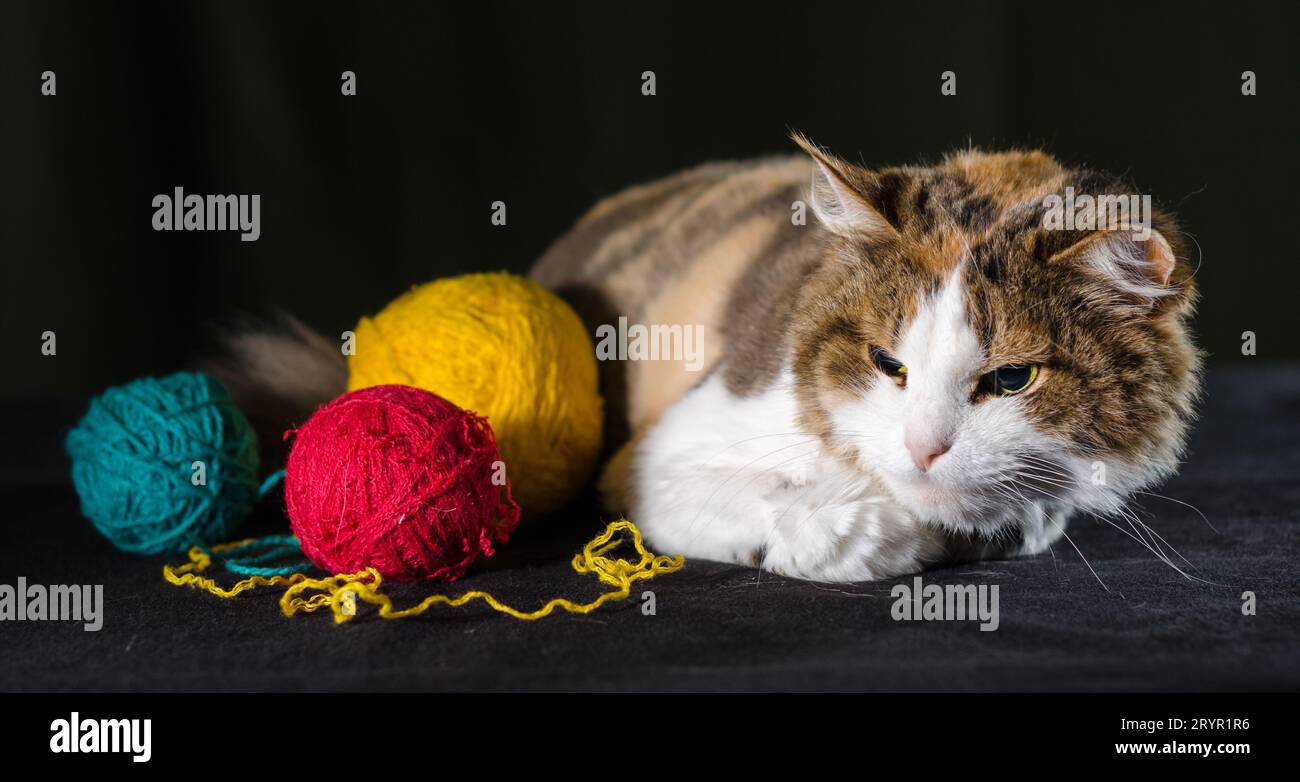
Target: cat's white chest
{"x": 734, "y": 479}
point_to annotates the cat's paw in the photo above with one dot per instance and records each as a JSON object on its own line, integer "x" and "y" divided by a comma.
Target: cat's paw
{"x": 846, "y": 541}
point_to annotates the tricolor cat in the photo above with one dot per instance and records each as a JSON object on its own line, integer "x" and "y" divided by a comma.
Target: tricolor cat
{"x": 930, "y": 369}
{"x": 925, "y": 372}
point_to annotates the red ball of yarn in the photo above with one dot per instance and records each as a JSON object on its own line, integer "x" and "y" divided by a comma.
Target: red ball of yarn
{"x": 398, "y": 479}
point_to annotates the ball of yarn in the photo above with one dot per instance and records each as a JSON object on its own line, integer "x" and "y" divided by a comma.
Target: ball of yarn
{"x": 398, "y": 479}
{"x": 162, "y": 464}
{"x": 505, "y": 348}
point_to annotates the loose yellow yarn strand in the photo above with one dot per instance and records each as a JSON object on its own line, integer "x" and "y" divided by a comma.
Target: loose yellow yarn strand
{"x": 340, "y": 592}
{"x": 200, "y": 560}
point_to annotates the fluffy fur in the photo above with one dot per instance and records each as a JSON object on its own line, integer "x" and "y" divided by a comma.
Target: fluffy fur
{"x": 794, "y": 451}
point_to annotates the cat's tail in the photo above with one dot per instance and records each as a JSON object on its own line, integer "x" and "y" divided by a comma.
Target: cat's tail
{"x": 278, "y": 373}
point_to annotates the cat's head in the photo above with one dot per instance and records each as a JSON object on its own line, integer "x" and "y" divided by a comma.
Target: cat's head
{"x": 960, "y": 346}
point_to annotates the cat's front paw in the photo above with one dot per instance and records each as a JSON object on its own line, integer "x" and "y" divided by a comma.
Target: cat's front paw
{"x": 846, "y": 541}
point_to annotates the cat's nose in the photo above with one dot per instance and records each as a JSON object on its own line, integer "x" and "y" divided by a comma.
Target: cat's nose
{"x": 924, "y": 450}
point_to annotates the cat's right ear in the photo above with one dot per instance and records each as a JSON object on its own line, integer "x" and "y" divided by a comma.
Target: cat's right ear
{"x": 840, "y": 194}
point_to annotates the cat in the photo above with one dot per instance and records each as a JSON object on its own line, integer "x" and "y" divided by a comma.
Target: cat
{"x": 900, "y": 367}
{"x": 922, "y": 373}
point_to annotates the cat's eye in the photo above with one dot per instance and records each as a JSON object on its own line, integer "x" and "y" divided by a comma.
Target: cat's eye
{"x": 891, "y": 366}
{"x": 1010, "y": 380}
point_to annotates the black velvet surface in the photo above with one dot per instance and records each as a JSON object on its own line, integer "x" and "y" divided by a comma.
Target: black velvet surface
{"x": 1135, "y": 624}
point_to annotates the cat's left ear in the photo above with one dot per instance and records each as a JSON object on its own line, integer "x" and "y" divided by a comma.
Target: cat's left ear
{"x": 1142, "y": 268}
{"x": 841, "y": 194}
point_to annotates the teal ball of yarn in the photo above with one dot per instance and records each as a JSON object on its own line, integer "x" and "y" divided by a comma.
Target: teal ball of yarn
{"x": 162, "y": 464}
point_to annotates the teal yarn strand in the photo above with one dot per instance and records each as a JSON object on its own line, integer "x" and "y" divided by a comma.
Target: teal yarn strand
{"x": 274, "y": 479}
{"x": 250, "y": 559}
{"x": 133, "y": 463}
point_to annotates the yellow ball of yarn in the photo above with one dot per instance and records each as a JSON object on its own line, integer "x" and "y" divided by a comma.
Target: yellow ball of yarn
{"x": 508, "y": 349}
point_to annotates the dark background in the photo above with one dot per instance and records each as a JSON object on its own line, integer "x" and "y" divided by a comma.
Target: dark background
{"x": 539, "y": 105}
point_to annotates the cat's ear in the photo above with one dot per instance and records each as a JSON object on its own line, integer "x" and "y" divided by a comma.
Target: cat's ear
{"x": 1139, "y": 267}
{"x": 840, "y": 194}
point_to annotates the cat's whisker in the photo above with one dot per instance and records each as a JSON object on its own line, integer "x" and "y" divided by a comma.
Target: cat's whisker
{"x": 1138, "y": 539}
{"x": 737, "y": 472}
{"x": 809, "y": 438}
{"x": 1184, "y": 504}
{"x": 1081, "y": 556}
{"x": 1160, "y": 553}
{"x": 1012, "y": 479}
{"x": 1054, "y": 480}
{"x": 1140, "y": 527}
{"x": 812, "y": 455}
{"x": 809, "y": 455}
{"x": 1046, "y": 464}
{"x": 1138, "y": 535}
{"x": 1156, "y": 535}
{"x": 1133, "y": 522}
